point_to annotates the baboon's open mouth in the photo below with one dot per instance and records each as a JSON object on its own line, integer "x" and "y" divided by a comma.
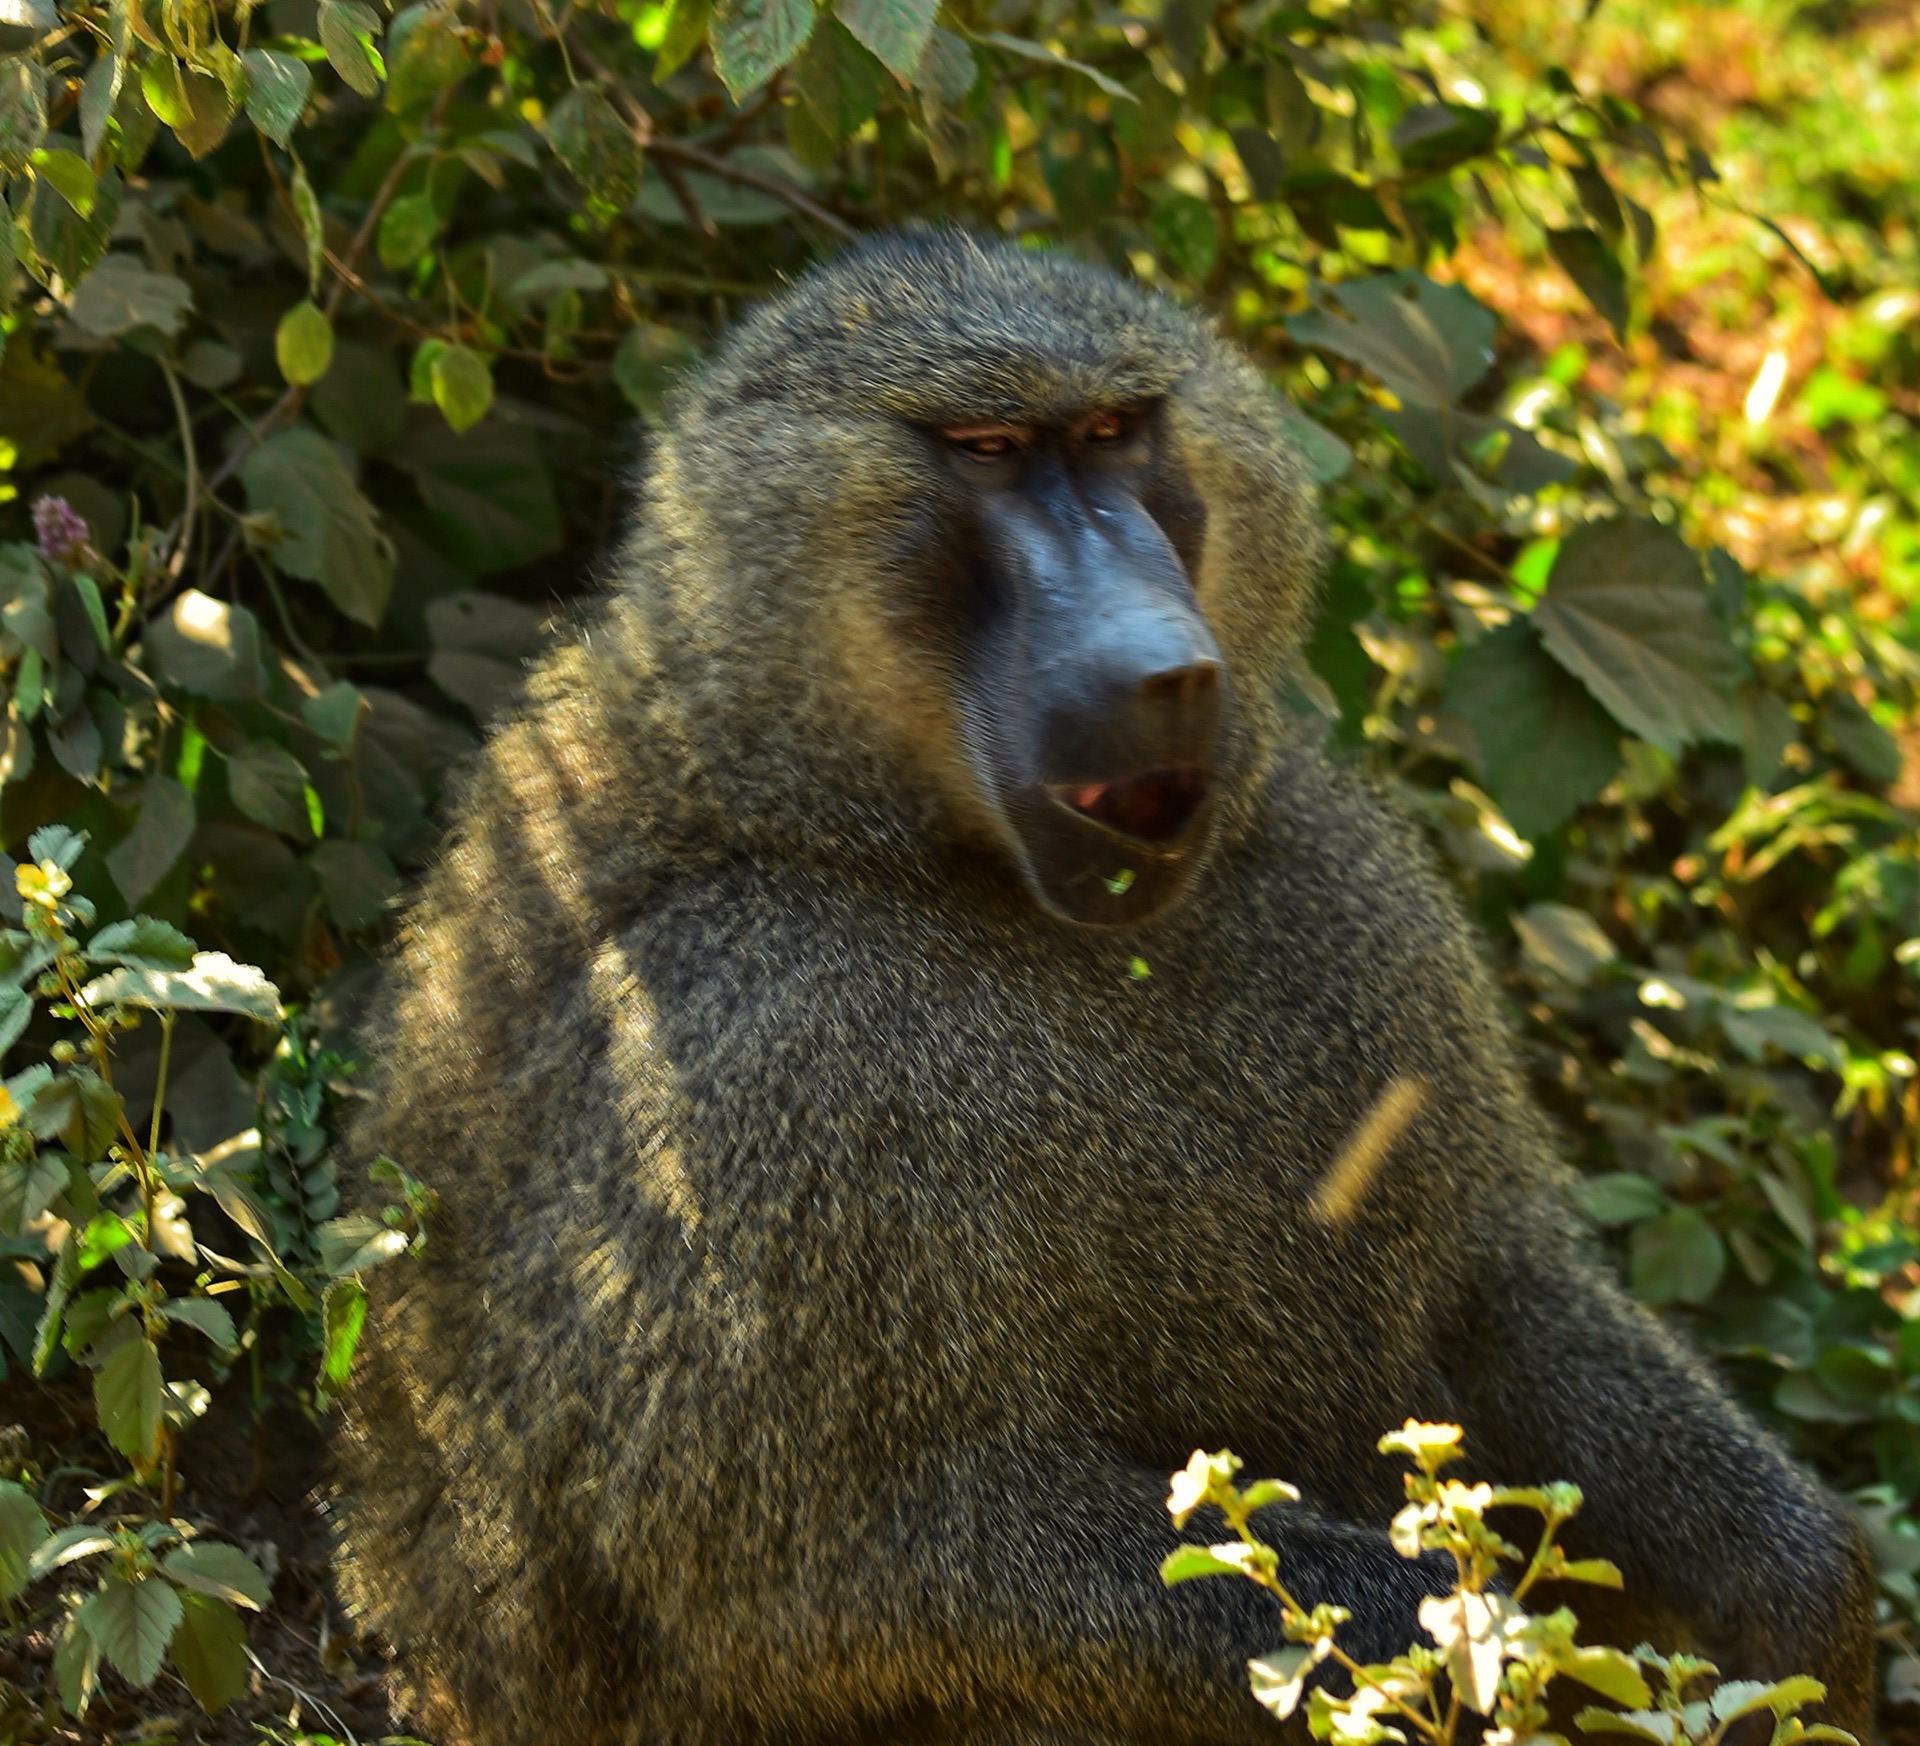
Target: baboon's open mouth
{"x": 1154, "y": 808}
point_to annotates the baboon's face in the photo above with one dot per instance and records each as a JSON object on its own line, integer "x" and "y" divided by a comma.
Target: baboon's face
{"x": 1094, "y": 699}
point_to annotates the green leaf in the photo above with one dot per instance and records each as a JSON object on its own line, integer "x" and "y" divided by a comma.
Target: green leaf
{"x": 1677, "y": 1257}
{"x": 132, "y": 1621}
{"x": 205, "y": 646}
{"x": 1596, "y": 269}
{"x": 1641, "y": 1724}
{"x": 214, "y": 984}
{"x": 1545, "y": 746}
{"x": 1028, "y": 50}
{"x": 1185, "y": 1563}
{"x": 1565, "y": 941}
{"x": 95, "y": 608}
{"x": 1610, "y": 1672}
{"x": 753, "y": 39}
{"x": 27, "y": 1190}
{"x": 58, "y": 844}
{"x": 343, "y": 1312}
{"x": 303, "y": 344}
{"x": 66, "y": 243}
{"x": 278, "y": 87}
{"x": 210, "y": 107}
{"x": 210, "y": 1652}
{"x": 1619, "y": 1197}
{"x": 23, "y": 1531}
{"x": 269, "y": 784}
{"x": 128, "y": 1390}
{"x": 354, "y": 1242}
{"x": 313, "y": 228}
{"x": 838, "y": 79}
{"x": 407, "y": 230}
{"x": 588, "y": 136}
{"x": 76, "y": 1666}
{"x": 333, "y": 537}
{"x": 23, "y": 114}
{"x": 212, "y": 1568}
{"x": 358, "y": 880}
{"x": 155, "y": 945}
{"x": 489, "y": 492}
{"x": 1429, "y": 343}
{"x": 1627, "y": 612}
{"x": 69, "y": 173}
{"x": 686, "y": 31}
{"x": 425, "y": 54}
{"x": 147, "y": 853}
{"x": 16, "y": 1010}
{"x": 347, "y": 30}
{"x": 1857, "y": 737}
{"x": 208, "y": 1317}
{"x": 648, "y": 361}
{"x": 66, "y": 1547}
{"x": 1596, "y": 1571}
{"x": 1754, "y": 1030}
{"x": 1188, "y": 234}
{"x": 1082, "y": 172}
{"x": 1435, "y": 136}
{"x": 462, "y": 387}
{"x": 120, "y": 294}
{"x": 335, "y": 714}
{"x": 895, "y": 30}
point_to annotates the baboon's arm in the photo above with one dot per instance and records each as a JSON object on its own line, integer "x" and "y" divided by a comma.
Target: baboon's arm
{"x": 1021, "y": 1586}
{"x": 1726, "y": 1547}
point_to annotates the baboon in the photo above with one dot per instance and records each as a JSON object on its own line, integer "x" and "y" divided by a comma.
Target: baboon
{"x": 891, "y": 996}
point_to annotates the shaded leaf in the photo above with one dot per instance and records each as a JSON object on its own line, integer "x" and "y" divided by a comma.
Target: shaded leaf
{"x": 753, "y": 39}
{"x": 23, "y": 1531}
{"x": 205, "y": 646}
{"x": 212, "y": 1568}
{"x": 895, "y": 30}
{"x": 332, "y": 536}
{"x": 1545, "y": 746}
{"x": 147, "y": 853}
{"x": 588, "y": 136}
{"x": 1429, "y": 343}
{"x": 1619, "y": 1197}
{"x": 210, "y": 1652}
{"x": 268, "y": 783}
{"x": 347, "y": 30}
{"x": 277, "y": 90}
{"x": 1627, "y": 612}
{"x": 120, "y": 294}
{"x": 128, "y": 1390}
{"x": 132, "y": 1621}
{"x": 1594, "y": 267}
{"x": 1677, "y": 1257}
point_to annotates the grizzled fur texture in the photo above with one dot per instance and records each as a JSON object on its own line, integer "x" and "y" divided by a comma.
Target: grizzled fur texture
{"x": 837, "y": 1252}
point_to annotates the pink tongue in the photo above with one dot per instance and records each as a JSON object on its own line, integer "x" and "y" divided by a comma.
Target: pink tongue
{"x": 1087, "y": 798}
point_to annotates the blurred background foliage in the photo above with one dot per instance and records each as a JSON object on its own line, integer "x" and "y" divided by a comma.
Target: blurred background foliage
{"x": 331, "y": 335}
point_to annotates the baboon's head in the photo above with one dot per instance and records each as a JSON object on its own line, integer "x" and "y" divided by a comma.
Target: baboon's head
{"x": 1024, "y": 522}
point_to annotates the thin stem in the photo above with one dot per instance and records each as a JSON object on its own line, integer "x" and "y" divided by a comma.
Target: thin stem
{"x": 183, "y": 539}
{"x": 160, "y": 1105}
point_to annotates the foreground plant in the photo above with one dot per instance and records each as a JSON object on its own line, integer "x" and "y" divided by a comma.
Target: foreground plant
{"x": 1489, "y": 1655}
{"x": 129, "y": 1271}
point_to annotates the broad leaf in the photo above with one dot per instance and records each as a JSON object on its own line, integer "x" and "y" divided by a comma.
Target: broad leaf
{"x": 347, "y": 30}
{"x": 343, "y": 1314}
{"x": 1627, "y": 612}
{"x": 838, "y": 79}
{"x": 206, "y": 646}
{"x": 425, "y": 54}
{"x": 895, "y": 30}
{"x": 268, "y": 783}
{"x": 132, "y": 1621}
{"x": 1429, "y": 343}
{"x": 209, "y": 1318}
{"x": 1619, "y": 1197}
{"x": 23, "y": 1531}
{"x": 128, "y": 1389}
{"x": 1187, "y": 1562}
{"x": 753, "y": 39}
{"x": 332, "y": 536}
{"x": 120, "y": 294}
{"x": 588, "y": 136}
{"x": 147, "y": 853}
{"x": 210, "y": 1652}
{"x": 225, "y": 1572}
{"x": 1279, "y": 1677}
{"x": 215, "y": 983}
{"x": 1596, "y": 269}
{"x": 277, "y": 90}
{"x": 1545, "y": 746}
{"x": 303, "y": 344}
{"x": 1676, "y": 1258}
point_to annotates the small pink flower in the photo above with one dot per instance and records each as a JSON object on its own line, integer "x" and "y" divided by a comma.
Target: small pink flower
{"x": 65, "y": 539}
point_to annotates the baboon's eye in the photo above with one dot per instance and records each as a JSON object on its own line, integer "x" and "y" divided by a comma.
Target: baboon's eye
{"x": 1108, "y": 427}
{"x": 989, "y": 441}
